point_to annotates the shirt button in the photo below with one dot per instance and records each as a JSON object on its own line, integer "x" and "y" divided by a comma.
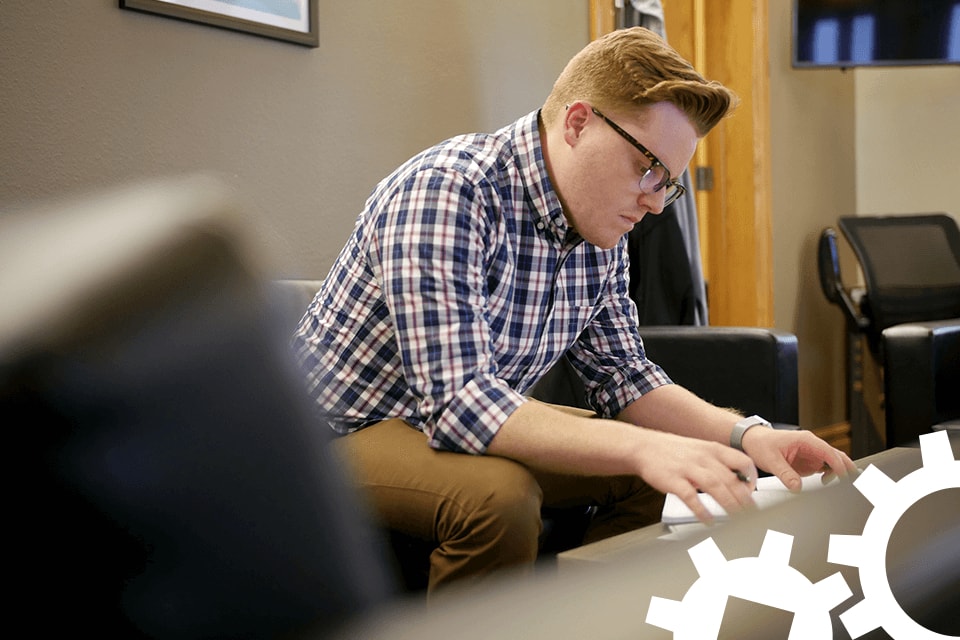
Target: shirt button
{"x": 540, "y": 225}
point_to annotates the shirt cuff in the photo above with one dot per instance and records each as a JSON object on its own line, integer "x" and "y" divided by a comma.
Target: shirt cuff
{"x": 620, "y": 390}
{"x": 474, "y": 416}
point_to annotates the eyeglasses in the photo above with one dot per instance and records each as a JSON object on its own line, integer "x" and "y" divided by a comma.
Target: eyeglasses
{"x": 657, "y": 176}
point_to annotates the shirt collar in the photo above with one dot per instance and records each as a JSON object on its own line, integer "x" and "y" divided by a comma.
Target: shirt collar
{"x": 528, "y": 150}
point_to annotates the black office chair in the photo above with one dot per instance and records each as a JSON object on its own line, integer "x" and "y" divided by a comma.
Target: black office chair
{"x": 911, "y": 272}
{"x": 163, "y": 475}
{"x": 911, "y": 268}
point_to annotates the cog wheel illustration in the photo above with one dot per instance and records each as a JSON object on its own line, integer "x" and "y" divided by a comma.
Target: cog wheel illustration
{"x": 700, "y": 614}
{"x": 879, "y": 607}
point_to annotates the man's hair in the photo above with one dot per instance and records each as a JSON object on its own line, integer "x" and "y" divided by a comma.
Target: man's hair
{"x": 631, "y": 68}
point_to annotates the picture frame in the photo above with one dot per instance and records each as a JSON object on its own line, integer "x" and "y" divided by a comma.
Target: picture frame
{"x": 289, "y": 20}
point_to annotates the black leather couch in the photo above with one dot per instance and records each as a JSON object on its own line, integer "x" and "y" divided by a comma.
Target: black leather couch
{"x": 750, "y": 369}
{"x": 921, "y": 379}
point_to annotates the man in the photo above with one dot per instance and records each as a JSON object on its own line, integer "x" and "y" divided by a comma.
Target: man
{"x": 472, "y": 269}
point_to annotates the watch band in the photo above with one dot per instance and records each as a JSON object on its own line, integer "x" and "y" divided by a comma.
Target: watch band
{"x": 736, "y": 437}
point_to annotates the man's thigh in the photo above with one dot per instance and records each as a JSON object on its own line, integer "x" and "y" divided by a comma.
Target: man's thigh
{"x": 417, "y": 490}
{"x": 636, "y": 503}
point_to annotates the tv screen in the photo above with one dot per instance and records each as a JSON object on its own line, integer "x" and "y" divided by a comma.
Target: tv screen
{"x": 852, "y": 33}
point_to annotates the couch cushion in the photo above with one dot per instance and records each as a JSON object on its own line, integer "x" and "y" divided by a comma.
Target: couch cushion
{"x": 291, "y": 298}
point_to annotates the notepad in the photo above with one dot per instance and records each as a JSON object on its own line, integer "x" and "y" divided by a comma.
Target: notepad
{"x": 770, "y": 491}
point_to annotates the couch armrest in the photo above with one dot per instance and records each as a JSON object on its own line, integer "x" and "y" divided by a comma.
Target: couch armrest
{"x": 921, "y": 378}
{"x": 290, "y": 298}
{"x": 749, "y": 369}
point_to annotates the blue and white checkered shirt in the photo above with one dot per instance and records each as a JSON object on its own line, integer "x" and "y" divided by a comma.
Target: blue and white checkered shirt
{"x": 460, "y": 286}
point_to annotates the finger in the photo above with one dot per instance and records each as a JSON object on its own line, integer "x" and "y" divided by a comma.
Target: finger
{"x": 752, "y": 481}
{"x": 848, "y": 463}
{"x": 734, "y": 497}
{"x": 787, "y": 475}
{"x": 727, "y": 487}
{"x": 741, "y": 464}
{"x": 828, "y": 475}
{"x": 691, "y": 498}
{"x": 839, "y": 463}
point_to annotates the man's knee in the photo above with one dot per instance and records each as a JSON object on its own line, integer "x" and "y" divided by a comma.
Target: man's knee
{"x": 503, "y": 506}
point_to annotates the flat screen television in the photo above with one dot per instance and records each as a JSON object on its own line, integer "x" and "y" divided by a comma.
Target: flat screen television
{"x": 854, "y": 33}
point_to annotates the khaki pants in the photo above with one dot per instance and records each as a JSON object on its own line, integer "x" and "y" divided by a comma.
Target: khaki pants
{"x": 483, "y": 512}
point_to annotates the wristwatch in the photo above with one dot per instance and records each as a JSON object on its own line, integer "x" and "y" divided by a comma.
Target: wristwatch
{"x": 736, "y": 438}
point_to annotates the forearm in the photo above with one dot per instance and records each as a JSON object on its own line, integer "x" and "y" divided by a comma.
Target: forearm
{"x": 786, "y": 454}
{"x": 543, "y": 437}
{"x": 539, "y": 435}
{"x": 676, "y": 410}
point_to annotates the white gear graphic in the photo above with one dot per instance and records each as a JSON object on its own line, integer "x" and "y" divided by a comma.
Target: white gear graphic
{"x": 890, "y": 501}
{"x": 700, "y": 614}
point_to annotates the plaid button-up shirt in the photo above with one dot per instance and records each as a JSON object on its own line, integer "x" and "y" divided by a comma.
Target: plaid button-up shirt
{"x": 460, "y": 286}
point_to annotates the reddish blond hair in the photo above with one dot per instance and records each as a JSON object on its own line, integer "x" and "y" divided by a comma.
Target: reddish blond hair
{"x": 631, "y": 68}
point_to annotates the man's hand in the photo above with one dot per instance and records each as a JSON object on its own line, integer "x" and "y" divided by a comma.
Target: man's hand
{"x": 684, "y": 466}
{"x": 790, "y": 455}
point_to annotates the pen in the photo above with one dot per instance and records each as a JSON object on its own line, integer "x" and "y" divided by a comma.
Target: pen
{"x": 741, "y": 476}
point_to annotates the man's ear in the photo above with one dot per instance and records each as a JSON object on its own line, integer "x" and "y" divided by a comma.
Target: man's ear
{"x": 575, "y": 118}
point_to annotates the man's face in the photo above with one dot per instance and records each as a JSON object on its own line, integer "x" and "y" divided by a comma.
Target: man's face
{"x": 598, "y": 171}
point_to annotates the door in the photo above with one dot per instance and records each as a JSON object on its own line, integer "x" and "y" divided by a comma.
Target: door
{"x": 727, "y": 41}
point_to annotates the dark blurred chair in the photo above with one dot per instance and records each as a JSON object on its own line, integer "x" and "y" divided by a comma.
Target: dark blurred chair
{"x": 163, "y": 474}
{"x": 911, "y": 273}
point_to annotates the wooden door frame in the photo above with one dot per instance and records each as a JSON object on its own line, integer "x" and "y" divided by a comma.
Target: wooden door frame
{"x": 727, "y": 41}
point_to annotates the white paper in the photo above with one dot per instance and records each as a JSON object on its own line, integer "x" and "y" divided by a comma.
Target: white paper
{"x": 769, "y": 491}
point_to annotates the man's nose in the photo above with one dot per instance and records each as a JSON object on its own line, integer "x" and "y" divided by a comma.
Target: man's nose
{"x": 652, "y": 202}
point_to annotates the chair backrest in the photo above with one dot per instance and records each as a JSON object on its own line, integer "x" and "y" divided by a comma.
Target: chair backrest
{"x": 911, "y": 267}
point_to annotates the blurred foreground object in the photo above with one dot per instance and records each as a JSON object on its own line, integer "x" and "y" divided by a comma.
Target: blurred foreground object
{"x": 606, "y": 590}
{"x": 167, "y": 480}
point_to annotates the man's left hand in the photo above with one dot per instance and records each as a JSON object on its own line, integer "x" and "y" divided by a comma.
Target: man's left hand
{"x": 790, "y": 455}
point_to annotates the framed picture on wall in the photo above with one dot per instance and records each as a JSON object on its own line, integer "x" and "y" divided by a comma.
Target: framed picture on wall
{"x": 290, "y": 20}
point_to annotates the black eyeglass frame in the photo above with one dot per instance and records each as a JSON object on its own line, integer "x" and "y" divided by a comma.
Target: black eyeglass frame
{"x": 654, "y": 161}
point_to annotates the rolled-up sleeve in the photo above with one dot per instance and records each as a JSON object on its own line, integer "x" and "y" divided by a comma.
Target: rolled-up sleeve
{"x": 609, "y": 354}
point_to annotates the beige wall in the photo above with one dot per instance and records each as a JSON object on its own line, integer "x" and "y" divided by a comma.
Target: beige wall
{"x": 908, "y": 140}
{"x": 878, "y": 140}
{"x": 95, "y": 96}
{"x": 813, "y": 158}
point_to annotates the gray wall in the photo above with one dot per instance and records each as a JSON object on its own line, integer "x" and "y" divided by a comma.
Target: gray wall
{"x": 95, "y": 96}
